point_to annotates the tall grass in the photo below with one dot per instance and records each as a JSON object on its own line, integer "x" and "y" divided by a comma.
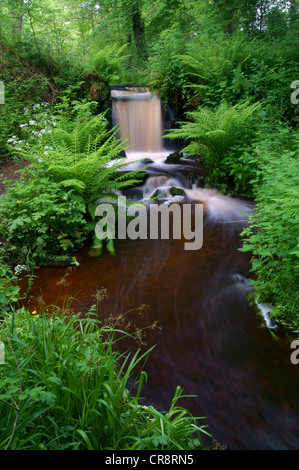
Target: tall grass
{"x": 63, "y": 385}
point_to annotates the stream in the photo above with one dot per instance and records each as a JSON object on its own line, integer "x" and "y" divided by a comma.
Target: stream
{"x": 212, "y": 341}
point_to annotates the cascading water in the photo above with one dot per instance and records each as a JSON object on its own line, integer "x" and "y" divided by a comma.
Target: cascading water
{"x": 137, "y": 112}
{"x": 212, "y": 342}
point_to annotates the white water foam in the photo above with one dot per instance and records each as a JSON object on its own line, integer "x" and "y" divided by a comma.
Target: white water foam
{"x": 219, "y": 207}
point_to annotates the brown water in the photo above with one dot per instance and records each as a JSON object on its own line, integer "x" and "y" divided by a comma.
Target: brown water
{"x": 212, "y": 341}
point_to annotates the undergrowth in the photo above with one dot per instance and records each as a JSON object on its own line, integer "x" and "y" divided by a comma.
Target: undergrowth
{"x": 64, "y": 386}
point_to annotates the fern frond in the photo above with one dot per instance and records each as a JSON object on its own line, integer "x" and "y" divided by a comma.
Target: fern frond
{"x": 212, "y": 132}
{"x": 76, "y": 184}
{"x": 86, "y": 157}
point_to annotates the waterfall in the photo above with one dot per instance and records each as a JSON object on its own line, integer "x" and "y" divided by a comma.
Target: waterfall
{"x": 138, "y": 115}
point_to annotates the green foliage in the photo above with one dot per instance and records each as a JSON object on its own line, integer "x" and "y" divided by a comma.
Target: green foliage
{"x": 236, "y": 67}
{"x": 212, "y": 134}
{"x": 163, "y": 14}
{"x": 273, "y": 233}
{"x": 41, "y": 218}
{"x": 267, "y": 76}
{"x": 9, "y": 290}
{"x": 212, "y": 61}
{"x": 84, "y": 155}
{"x": 64, "y": 386}
{"x": 22, "y": 84}
{"x": 36, "y": 121}
{"x": 108, "y": 63}
{"x": 253, "y": 16}
{"x": 167, "y": 73}
{"x": 75, "y": 161}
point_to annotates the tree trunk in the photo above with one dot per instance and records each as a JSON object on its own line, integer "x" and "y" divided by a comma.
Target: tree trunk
{"x": 228, "y": 14}
{"x": 139, "y": 34}
{"x": 17, "y": 28}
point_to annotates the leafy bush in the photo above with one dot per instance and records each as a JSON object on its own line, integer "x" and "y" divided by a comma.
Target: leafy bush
{"x": 211, "y": 62}
{"x": 273, "y": 233}
{"x": 108, "y": 63}
{"x": 36, "y": 122}
{"x": 167, "y": 73}
{"x": 213, "y": 134}
{"x": 24, "y": 83}
{"x": 239, "y": 67}
{"x": 64, "y": 386}
{"x": 41, "y": 219}
{"x": 9, "y": 290}
{"x": 82, "y": 154}
{"x": 73, "y": 164}
{"x": 267, "y": 76}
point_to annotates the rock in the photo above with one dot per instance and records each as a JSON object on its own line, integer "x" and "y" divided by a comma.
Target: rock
{"x": 196, "y": 179}
{"x": 59, "y": 264}
{"x": 177, "y": 192}
{"x": 122, "y": 154}
{"x": 146, "y": 161}
{"x": 241, "y": 279}
{"x": 133, "y": 194}
{"x": 174, "y": 158}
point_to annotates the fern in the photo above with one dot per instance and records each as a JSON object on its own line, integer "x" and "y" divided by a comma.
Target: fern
{"x": 108, "y": 62}
{"x": 213, "y": 132}
{"x": 210, "y": 61}
{"x": 86, "y": 158}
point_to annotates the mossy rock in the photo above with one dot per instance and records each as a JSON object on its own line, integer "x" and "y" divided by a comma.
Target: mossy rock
{"x": 176, "y": 192}
{"x": 174, "y": 158}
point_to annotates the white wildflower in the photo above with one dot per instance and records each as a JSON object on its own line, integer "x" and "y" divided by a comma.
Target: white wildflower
{"x": 19, "y": 268}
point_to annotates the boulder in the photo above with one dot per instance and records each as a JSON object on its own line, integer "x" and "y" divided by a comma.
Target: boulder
{"x": 174, "y": 158}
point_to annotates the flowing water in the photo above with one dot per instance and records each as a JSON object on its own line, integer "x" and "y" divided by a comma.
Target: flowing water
{"x": 212, "y": 342}
{"x": 145, "y": 108}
